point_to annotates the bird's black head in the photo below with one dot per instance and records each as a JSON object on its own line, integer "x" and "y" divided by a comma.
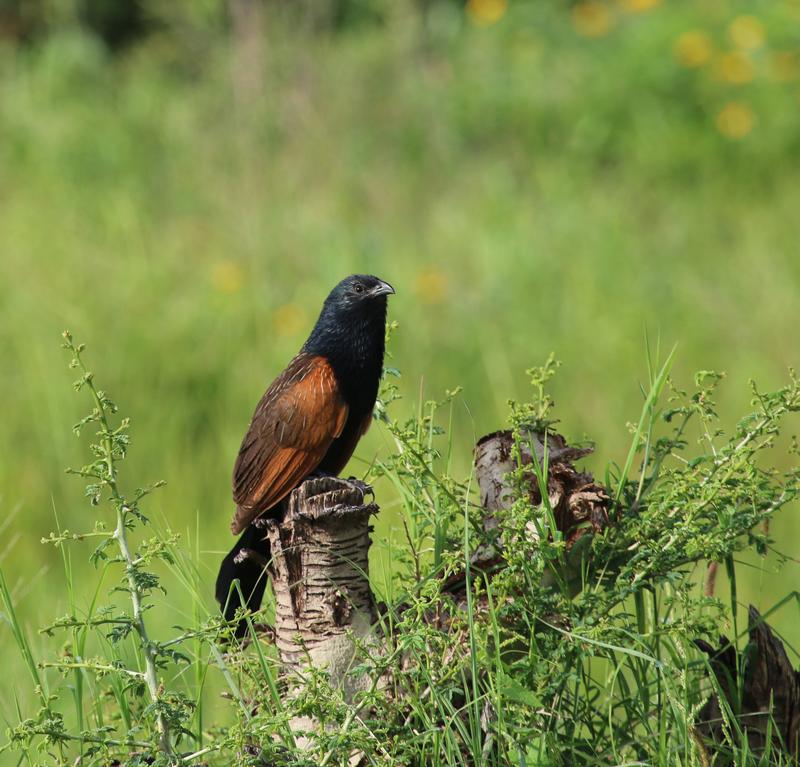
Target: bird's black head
{"x": 351, "y": 327}
{"x": 358, "y": 293}
{"x": 358, "y": 302}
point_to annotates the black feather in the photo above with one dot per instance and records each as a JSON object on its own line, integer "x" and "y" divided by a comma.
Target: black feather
{"x": 248, "y": 570}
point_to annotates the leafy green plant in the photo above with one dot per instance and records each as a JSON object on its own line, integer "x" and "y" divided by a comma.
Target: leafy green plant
{"x": 121, "y": 704}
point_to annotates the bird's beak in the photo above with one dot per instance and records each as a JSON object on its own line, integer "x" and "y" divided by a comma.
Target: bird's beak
{"x": 383, "y": 289}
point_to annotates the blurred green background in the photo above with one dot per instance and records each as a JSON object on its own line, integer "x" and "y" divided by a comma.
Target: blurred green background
{"x": 182, "y": 183}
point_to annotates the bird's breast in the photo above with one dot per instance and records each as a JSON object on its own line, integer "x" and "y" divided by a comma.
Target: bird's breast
{"x": 342, "y": 448}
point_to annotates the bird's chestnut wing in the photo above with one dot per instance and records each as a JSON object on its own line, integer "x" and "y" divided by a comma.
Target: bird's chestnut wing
{"x": 292, "y": 428}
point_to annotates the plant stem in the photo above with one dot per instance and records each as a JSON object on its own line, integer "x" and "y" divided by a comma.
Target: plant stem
{"x": 138, "y": 621}
{"x": 120, "y": 534}
{"x": 98, "y": 667}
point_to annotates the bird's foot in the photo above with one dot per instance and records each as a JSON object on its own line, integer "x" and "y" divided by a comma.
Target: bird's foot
{"x": 250, "y": 555}
{"x": 322, "y": 482}
{"x": 360, "y": 485}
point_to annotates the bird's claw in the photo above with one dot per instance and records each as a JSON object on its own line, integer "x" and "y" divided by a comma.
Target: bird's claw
{"x": 359, "y": 484}
{"x": 250, "y": 555}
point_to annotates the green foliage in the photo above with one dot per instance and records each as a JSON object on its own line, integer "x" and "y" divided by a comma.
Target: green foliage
{"x": 524, "y": 670}
{"x": 516, "y": 667}
{"x": 605, "y": 676}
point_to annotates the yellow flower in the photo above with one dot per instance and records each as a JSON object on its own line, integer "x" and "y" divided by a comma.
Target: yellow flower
{"x": 735, "y": 120}
{"x": 485, "y": 12}
{"x": 736, "y": 68}
{"x": 693, "y": 48}
{"x": 783, "y": 66}
{"x": 746, "y": 32}
{"x": 592, "y": 18}
{"x": 227, "y": 277}
{"x": 638, "y": 6}
{"x": 431, "y": 286}
{"x": 289, "y": 319}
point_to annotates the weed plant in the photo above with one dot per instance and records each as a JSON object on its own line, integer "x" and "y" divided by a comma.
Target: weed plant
{"x": 526, "y": 670}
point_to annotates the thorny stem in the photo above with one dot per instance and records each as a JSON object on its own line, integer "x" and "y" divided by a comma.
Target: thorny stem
{"x": 120, "y": 534}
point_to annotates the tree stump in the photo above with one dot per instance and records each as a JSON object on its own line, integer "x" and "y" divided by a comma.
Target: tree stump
{"x": 580, "y": 505}
{"x": 320, "y": 577}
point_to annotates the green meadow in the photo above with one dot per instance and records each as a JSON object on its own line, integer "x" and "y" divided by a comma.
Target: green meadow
{"x": 531, "y": 179}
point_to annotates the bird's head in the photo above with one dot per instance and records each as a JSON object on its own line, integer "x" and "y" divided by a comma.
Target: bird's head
{"x": 357, "y": 294}
{"x": 353, "y": 317}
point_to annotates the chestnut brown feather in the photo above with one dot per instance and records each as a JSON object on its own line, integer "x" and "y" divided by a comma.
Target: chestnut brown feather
{"x": 292, "y": 428}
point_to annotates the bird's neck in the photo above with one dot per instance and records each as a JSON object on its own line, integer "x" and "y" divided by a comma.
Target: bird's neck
{"x": 355, "y": 349}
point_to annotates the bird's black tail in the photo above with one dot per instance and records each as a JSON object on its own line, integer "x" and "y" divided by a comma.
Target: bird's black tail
{"x": 245, "y": 562}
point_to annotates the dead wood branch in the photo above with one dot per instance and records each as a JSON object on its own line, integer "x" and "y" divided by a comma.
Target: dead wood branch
{"x": 765, "y": 686}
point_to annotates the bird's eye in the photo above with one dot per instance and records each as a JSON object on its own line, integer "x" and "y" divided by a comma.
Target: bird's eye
{"x": 359, "y": 288}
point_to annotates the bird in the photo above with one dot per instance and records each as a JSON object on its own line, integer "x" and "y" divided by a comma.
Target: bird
{"x": 308, "y": 422}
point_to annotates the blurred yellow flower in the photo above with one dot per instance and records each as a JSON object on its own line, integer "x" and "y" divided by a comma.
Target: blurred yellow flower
{"x": 289, "y": 319}
{"x": 592, "y": 18}
{"x": 746, "y": 32}
{"x": 227, "y": 277}
{"x": 735, "y": 120}
{"x": 693, "y": 48}
{"x": 485, "y": 12}
{"x": 638, "y": 6}
{"x": 783, "y": 66}
{"x": 431, "y": 286}
{"x": 735, "y": 67}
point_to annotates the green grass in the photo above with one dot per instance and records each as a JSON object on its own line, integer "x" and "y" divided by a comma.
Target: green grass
{"x": 524, "y": 189}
